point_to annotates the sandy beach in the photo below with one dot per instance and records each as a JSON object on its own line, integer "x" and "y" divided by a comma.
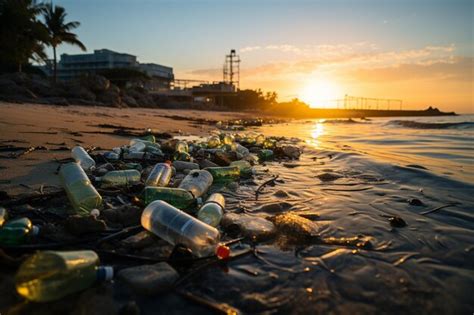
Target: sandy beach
{"x": 54, "y": 127}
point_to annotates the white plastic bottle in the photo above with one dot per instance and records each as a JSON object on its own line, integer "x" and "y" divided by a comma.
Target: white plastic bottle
{"x": 83, "y": 158}
{"x": 177, "y": 227}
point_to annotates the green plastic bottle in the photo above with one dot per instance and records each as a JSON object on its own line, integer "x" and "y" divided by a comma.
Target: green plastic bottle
{"x": 224, "y": 174}
{"x": 245, "y": 168}
{"x": 119, "y": 178}
{"x": 50, "y": 275}
{"x": 265, "y": 155}
{"x": 82, "y": 195}
{"x": 177, "y": 197}
{"x": 16, "y": 231}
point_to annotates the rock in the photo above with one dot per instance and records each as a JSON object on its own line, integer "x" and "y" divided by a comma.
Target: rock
{"x": 281, "y": 194}
{"x": 75, "y": 91}
{"x": 250, "y": 226}
{"x": 397, "y": 221}
{"x": 129, "y": 101}
{"x": 96, "y": 301}
{"x": 328, "y": 177}
{"x": 80, "y": 225}
{"x": 125, "y": 215}
{"x": 110, "y": 97}
{"x": 149, "y": 279}
{"x": 291, "y": 151}
{"x": 96, "y": 83}
{"x": 140, "y": 240}
{"x": 224, "y": 158}
{"x": 56, "y": 100}
{"x": 295, "y": 226}
{"x": 206, "y": 163}
{"x": 275, "y": 207}
{"x": 415, "y": 202}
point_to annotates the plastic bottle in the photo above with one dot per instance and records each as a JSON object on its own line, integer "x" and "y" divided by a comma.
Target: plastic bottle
{"x": 182, "y": 146}
{"x": 137, "y": 146}
{"x": 160, "y": 175}
{"x": 183, "y": 165}
{"x": 224, "y": 174}
{"x": 213, "y": 142}
{"x": 228, "y": 139}
{"x": 179, "y": 198}
{"x": 16, "y": 231}
{"x": 82, "y": 195}
{"x": 50, "y": 275}
{"x": 212, "y": 210}
{"x": 3, "y": 215}
{"x": 245, "y": 168}
{"x": 177, "y": 227}
{"x": 265, "y": 155}
{"x": 197, "y": 182}
{"x": 110, "y": 155}
{"x": 181, "y": 156}
{"x": 83, "y": 158}
{"x": 119, "y": 178}
{"x": 131, "y": 155}
{"x": 150, "y": 138}
{"x": 242, "y": 150}
{"x": 260, "y": 139}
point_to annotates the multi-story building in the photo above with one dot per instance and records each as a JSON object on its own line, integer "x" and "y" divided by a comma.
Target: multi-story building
{"x": 73, "y": 66}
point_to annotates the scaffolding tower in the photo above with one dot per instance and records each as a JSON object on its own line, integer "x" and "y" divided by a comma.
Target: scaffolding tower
{"x": 231, "y": 71}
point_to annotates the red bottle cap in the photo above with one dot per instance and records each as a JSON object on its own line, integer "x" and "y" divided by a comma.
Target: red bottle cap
{"x": 223, "y": 252}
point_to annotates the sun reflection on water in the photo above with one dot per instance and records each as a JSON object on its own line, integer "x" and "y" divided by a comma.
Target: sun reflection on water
{"x": 316, "y": 133}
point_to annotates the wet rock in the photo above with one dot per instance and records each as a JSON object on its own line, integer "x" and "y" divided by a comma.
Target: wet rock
{"x": 140, "y": 240}
{"x": 149, "y": 279}
{"x": 96, "y": 301}
{"x": 397, "y": 221}
{"x": 328, "y": 177}
{"x": 253, "y": 227}
{"x": 224, "y": 158}
{"x": 281, "y": 194}
{"x": 80, "y": 225}
{"x": 291, "y": 151}
{"x": 125, "y": 215}
{"x": 159, "y": 249}
{"x": 206, "y": 163}
{"x": 275, "y": 207}
{"x": 415, "y": 202}
{"x": 295, "y": 226}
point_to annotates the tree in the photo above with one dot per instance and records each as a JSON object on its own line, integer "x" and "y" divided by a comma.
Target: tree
{"x": 22, "y": 35}
{"x": 59, "y": 31}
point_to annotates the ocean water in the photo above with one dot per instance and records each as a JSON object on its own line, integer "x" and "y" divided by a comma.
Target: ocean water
{"x": 418, "y": 169}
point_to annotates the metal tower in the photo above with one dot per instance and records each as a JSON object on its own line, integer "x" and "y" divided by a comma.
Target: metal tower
{"x": 231, "y": 70}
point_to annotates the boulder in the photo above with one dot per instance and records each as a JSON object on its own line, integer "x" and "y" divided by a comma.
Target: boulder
{"x": 75, "y": 90}
{"x": 129, "y": 101}
{"x": 295, "y": 226}
{"x": 253, "y": 227}
{"x": 96, "y": 83}
{"x": 149, "y": 279}
{"x": 80, "y": 225}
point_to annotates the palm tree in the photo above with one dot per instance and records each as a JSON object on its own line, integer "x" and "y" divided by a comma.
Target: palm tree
{"x": 60, "y": 31}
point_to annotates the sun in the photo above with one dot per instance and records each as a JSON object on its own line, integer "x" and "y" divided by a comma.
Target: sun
{"x": 321, "y": 93}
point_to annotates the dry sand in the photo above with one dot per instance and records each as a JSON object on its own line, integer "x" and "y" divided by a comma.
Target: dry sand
{"x": 26, "y": 125}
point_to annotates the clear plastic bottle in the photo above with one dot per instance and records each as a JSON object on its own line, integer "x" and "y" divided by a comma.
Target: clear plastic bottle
{"x": 119, "y": 178}
{"x": 3, "y": 215}
{"x": 213, "y": 142}
{"x": 50, "y": 275}
{"x": 82, "y": 195}
{"x": 242, "y": 150}
{"x": 177, "y": 227}
{"x": 183, "y": 165}
{"x": 160, "y": 175}
{"x": 137, "y": 146}
{"x": 16, "y": 231}
{"x": 212, "y": 210}
{"x": 244, "y": 167}
{"x": 197, "y": 182}
{"x": 224, "y": 174}
{"x": 83, "y": 158}
{"x": 179, "y": 198}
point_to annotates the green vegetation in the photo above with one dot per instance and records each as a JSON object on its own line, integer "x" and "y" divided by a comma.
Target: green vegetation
{"x": 250, "y": 100}
{"x": 59, "y": 31}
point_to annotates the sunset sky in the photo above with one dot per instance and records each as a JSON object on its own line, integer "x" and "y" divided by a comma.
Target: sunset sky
{"x": 418, "y": 51}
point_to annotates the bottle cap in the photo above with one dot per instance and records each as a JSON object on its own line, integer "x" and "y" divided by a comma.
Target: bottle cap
{"x": 105, "y": 273}
{"x": 222, "y": 252}
{"x": 34, "y": 230}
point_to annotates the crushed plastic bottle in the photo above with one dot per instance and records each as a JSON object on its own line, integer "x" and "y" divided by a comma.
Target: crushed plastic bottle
{"x": 197, "y": 182}
{"x": 119, "y": 178}
{"x": 177, "y": 227}
{"x": 245, "y": 168}
{"x": 83, "y": 158}
{"x": 160, "y": 175}
{"x": 213, "y": 142}
{"x": 224, "y": 174}
{"x": 82, "y": 195}
{"x": 212, "y": 210}
{"x": 16, "y": 231}
{"x": 177, "y": 197}
{"x": 50, "y": 275}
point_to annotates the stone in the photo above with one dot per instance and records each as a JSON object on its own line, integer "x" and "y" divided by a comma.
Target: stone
{"x": 96, "y": 301}
{"x": 250, "y": 226}
{"x": 80, "y": 225}
{"x": 139, "y": 240}
{"x": 295, "y": 226}
{"x": 149, "y": 279}
{"x": 281, "y": 194}
{"x": 125, "y": 215}
{"x": 328, "y": 177}
{"x": 96, "y": 83}
{"x": 291, "y": 151}
{"x": 224, "y": 158}
{"x": 275, "y": 207}
{"x": 129, "y": 101}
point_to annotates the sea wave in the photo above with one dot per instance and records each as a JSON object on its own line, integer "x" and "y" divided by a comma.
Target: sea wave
{"x": 424, "y": 125}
